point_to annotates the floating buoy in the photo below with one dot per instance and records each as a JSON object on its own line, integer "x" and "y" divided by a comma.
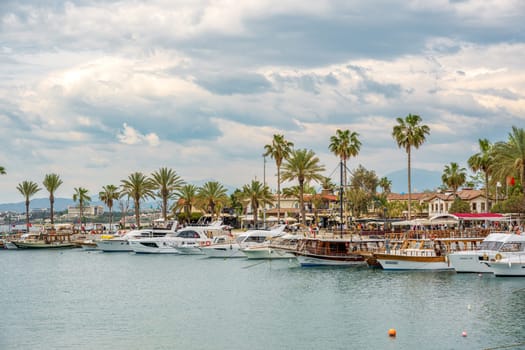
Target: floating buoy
{"x": 469, "y": 307}
{"x": 464, "y": 334}
{"x": 392, "y": 332}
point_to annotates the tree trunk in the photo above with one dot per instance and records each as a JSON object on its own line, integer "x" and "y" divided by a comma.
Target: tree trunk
{"x": 51, "y": 205}
{"x": 409, "y": 187}
{"x": 137, "y": 213}
{"x": 301, "y": 201}
{"x": 278, "y": 193}
{"x": 27, "y": 215}
{"x": 164, "y": 207}
{"x": 486, "y": 192}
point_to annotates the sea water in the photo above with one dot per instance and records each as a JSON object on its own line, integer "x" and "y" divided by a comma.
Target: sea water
{"x": 75, "y": 299}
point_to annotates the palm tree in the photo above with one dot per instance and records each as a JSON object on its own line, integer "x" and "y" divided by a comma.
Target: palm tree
{"x": 304, "y": 166}
{"x": 212, "y": 195}
{"x": 453, "y": 176}
{"x": 385, "y": 184}
{"x": 138, "y": 187}
{"x": 81, "y": 195}
{"x": 345, "y": 144}
{"x": 509, "y": 157}
{"x": 2, "y": 170}
{"x": 28, "y": 189}
{"x": 409, "y": 134}
{"x": 52, "y": 182}
{"x": 166, "y": 182}
{"x": 481, "y": 162}
{"x": 108, "y": 195}
{"x": 279, "y": 150}
{"x": 258, "y": 194}
{"x": 187, "y": 195}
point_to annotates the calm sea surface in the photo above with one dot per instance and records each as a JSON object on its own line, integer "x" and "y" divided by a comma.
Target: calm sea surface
{"x": 74, "y": 299}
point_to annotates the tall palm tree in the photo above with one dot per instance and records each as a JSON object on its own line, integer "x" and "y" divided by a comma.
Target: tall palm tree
{"x": 52, "y": 182}
{"x": 385, "y": 184}
{"x": 258, "y": 194}
{"x": 138, "y": 187}
{"x": 187, "y": 195}
{"x": 509, "y": 157}
{"x": 453, "y": 176}
{"x": 345, "y": 144}
{"x": 212, "y": 195}
{"x": 304, "y": 166}
{"x": 81, "y": 195}
{"x": 28, "y": 189}
{"x": 279, "y": 150}
{"x": 108, "y": 195}
{"x": 482, "y": 161}
{"x": 408, "y": 134}
{"x": 2, "y": 170}
{"x": 166, "y": 182}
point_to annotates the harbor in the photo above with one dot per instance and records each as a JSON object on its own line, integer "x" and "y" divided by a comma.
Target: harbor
{"x": 93, "y": 300}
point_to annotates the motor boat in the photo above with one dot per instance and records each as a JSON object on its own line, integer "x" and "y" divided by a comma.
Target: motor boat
{"x": 281, "y": 247}
{"x": 184, "y": 241}
{"x": 493, "y": 244}
{"x": 233, "y": 247}
{"x": 122, "y": 243}
{"x": 508, "y": 265}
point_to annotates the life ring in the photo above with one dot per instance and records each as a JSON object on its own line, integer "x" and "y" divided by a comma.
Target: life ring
{"x": 208, "y": 243}
{"x": 498, "y": 257}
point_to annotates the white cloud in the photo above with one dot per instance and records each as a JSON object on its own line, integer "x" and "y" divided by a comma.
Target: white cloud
{"x": 131, "y": 136}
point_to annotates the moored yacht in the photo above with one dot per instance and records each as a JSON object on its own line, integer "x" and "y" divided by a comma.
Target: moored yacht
{"x": 185, "y": 241}
{"x": 281, "y": 247}
{"x": 233, "y": 248}
{"x": 492, "y": 245}
{"x": 121, "y": 243}
{"x": 508, "y": 265}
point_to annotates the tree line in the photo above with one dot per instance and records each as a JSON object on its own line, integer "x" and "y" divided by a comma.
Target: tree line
{"x": 495, "y": 163}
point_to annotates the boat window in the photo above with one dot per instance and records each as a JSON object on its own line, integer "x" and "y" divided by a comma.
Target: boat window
{"x": 491, "y": 245}
{"x": 512, "y": 247}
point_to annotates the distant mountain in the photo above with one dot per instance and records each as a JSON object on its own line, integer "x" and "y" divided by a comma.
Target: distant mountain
{"x": 421, "y": 180}
{"x": 41, "y": 203}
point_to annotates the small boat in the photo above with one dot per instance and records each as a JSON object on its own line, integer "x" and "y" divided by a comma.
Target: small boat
{"x": 508, "y": 265}
{"x": 474, "y": 260}
{"x": 330, "y": 252}
{"x": 46, "y": 239}
{"x": 424, "y": 253}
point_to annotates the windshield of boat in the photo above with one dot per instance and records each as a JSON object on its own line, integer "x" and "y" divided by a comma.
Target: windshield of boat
{"x": 490, "y": 245}
{"x": 513, "y": 247}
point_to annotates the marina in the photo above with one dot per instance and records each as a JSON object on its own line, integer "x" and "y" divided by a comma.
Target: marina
{"x": 92, "y": 300}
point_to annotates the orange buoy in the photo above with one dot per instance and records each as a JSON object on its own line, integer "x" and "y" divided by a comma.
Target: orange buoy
{"x": 392, "y": 332}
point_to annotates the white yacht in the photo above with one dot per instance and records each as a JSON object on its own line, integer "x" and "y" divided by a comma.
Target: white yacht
{"x": 492, "y": 245}
{"x": 281, "y": 247}
{"x": 122, "y": 243}
{"x": 185, "y": 241}
{"x": 233, "y": 248}
{"x": 509, "y": 265}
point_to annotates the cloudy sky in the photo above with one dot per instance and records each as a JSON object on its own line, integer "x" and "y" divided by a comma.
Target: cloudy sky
{"x": 96, "y": 90}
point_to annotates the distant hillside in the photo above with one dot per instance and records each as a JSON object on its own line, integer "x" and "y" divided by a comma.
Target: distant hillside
{"x": 40, "y": 203}
{"x": 421, "y": 180}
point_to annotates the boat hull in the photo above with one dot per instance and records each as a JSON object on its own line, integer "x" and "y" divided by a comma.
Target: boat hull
{"x": 223, "y": 251}
{"x": 268, "y": 253}
{"x": 309, "y": 260}
{"x": 114, "y": 246}
{"x": 43, "y": 245}
{"x": 471, "y": 261}
{"x": 404, "y": 262}
{"x": 152, "y": 247}
{"x": 508, "y": 267}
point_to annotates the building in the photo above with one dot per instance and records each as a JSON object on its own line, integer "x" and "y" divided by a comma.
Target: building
{"x": 90, "y": 210}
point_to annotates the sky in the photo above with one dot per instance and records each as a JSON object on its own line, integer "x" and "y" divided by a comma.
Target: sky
{"x": 96, "y": 90}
